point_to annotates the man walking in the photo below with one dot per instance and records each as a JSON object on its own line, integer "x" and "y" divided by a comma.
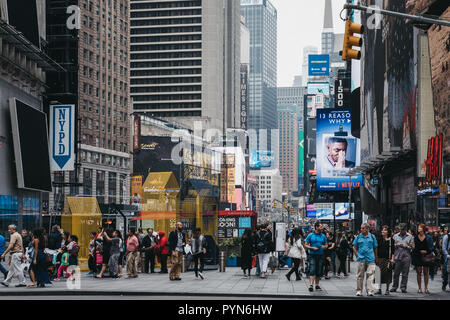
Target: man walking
{"x": 148, "y": 245}
{"x": 316, "y": 242}
{"x": 365, "y": 249}
{"x": 445, "y": 271}
{"x": 177, "y": 241}
{"x": 16, "y": 249}
{"x": 132, "y": 253}
{"x": 404, "y": 243}
{"x": 264, "y": 246}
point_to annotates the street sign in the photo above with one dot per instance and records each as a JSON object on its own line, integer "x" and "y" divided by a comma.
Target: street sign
{"x": 62, "y": 137}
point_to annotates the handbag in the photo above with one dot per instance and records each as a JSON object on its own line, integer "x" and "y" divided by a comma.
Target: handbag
{"x": 390, "y": 265}
{"x": 273, "y": 262}
{"x": 429, "y": 258}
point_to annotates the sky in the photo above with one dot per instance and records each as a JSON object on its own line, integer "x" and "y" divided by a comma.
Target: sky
{"x": 300, "y": 24}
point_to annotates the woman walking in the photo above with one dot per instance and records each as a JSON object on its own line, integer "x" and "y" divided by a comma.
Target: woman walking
{"x": 342, "y": 253}
{"x": 296, "y": 252}
{"x": 247, "y": 252}
{"x": 113, "y": 263}
{"x": 198, "y": 248}
{"x": 39, "y": 265}
{"x": 385, "y": 255}
{"x": 423, "y": 246}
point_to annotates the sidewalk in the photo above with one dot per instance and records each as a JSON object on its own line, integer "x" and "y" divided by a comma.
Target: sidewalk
{"x": 230, "y": 283}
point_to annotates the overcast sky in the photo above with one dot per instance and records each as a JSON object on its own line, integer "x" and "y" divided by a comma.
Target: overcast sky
{"x": 300, "y": 24}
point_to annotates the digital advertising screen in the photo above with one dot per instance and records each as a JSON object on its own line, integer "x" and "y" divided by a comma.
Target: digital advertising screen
{"x": 318, "y": 87}
{"x": 337, "y": 150}
{"x": 319, "y": 65}
{"x": 261, "y": 158}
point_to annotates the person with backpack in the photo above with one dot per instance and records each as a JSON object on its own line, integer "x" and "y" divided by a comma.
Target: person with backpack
{"x": 316, "y": 243}
{"x": 198, "y": 248}
{"x": 264, "y": 246}
{"x": 342, "y": 253}
{"x": 365, "y": 248}
{"x": 297, "y": 252}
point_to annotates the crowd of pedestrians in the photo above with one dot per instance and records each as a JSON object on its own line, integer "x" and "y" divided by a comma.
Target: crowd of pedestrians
{"x": 383, "y": 258}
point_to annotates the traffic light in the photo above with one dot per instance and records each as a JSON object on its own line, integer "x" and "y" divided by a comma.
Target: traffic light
{"x": 350, "y": 41}
{"x": 274, "y": 204}
{"x": 291, "y": 209}
{"x": 285, "y": 204}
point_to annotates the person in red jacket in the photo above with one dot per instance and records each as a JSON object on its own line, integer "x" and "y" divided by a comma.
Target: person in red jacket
{"x": 162, "y": 250}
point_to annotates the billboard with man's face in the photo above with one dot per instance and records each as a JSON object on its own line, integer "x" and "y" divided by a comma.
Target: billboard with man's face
{"x": 337, "y": 150}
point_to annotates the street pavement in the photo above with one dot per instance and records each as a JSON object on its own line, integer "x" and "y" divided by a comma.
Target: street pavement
{"x": 223, "y": 284}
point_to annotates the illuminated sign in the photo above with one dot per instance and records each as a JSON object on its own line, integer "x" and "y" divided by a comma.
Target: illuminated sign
{"x": 433, "y": 164}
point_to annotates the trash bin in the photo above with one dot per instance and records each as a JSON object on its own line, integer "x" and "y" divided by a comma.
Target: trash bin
{"x": 221, "y": 261}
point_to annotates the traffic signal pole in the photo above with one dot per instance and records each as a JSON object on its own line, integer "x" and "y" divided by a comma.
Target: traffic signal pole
{"x": 421, "y": 19}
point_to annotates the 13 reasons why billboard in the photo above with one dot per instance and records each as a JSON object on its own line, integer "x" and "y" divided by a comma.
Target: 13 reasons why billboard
{"x": 337, "y": 150}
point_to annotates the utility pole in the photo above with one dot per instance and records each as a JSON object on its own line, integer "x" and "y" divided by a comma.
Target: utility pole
{"x": 420, "y": 19}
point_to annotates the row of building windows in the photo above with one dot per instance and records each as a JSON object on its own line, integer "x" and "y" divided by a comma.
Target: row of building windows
{"x": 173, "y": 38}
{"x": 165, "y": 4}
{"x": 91, "y": 124}
{"x": 162, "y": 47}
{"x": 103, "y": 143}
{"x": 112, "y": 4}
{"x": 166, "y": 22}
{"x": 88, "y": 72}
{"x": 176, "y": 88}
{"x": 165, "y": 64}
{"x": 188, "y": 71}
{"x": 166, "y": 55}
{"x": 163, "y": 30}
{"x": 105, "y": 96}
{"x": 87, "y": 105}
{"x": 170, "y": 114}
{"x": 156, "y": 106}
{"x": 172, "y": 97}
{"x": 166, "y": 13}
{"x": 94, "y": 157}
{"x": 166, "y": 80}
{"x": 89, "y": 56}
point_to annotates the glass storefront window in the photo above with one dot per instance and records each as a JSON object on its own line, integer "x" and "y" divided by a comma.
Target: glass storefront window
{"x": 8, "y": 214}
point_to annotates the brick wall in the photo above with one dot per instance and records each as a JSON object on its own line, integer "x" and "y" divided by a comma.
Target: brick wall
{"x": 439, "y": 39}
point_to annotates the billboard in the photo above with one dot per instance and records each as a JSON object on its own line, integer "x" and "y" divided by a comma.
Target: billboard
{"x": 319, "y": 65}
{"x": 301, "y": 153}
{"x": 62, "y": 137}
{"x": 318, "y": 87}
{"x": 31, "y": 148}
{"x": 337, "y": 150}
{"x": 341, "y": 211}
{"x": 261, "y": 159}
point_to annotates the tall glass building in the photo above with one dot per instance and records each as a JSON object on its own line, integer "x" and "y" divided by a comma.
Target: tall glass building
{"x": 261, "y": 20}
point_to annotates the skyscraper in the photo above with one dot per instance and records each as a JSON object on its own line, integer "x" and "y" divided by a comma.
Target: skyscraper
{"x": 261, "y": 20}
{"x": 328, "y": 32}
{"x": 96, "y": 56}
{"x": 185, "y": 61}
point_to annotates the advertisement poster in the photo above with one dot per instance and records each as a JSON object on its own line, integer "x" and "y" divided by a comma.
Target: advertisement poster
{"x": 341, "y": 211}
{"x": 62, "y": 137}
{"x": 337, "y": 150}
{"x": 318, "y": 87}
{"x": 319, "y": 65}
{"x": 261, "y": 159}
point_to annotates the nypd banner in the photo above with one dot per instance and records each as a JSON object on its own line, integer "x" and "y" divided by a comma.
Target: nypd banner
{"x": 62, "y": 137}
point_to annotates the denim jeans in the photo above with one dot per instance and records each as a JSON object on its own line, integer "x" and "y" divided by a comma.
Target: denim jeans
{"x": 315, "y": 265}
{"x": 2, "y": 269}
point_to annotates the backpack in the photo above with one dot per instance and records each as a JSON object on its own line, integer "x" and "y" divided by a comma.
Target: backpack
{"x": 260, "y": 246}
